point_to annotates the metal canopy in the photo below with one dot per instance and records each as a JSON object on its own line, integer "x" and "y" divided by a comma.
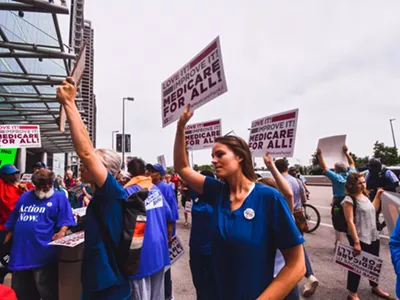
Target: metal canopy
{"x": 33, "y": 62}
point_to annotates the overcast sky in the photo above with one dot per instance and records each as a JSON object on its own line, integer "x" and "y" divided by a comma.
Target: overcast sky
{"x": 337, "y": 61}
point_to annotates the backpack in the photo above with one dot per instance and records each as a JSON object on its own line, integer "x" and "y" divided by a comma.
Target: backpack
{"x": 338, "y": 218}
{"x": 127, "y": 252}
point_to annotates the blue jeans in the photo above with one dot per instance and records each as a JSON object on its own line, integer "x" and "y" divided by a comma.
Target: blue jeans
{"x": 294, "y": 294}
{"x": 203, "y": 276}
{"x": 309, "y": 270}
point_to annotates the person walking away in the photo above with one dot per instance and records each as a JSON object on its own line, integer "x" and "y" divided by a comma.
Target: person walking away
{"x": 148, "y": 282}
{"x": 360, "y": 216}
{"x": 100, "y": 275}
{"x": 299, "y": 197}
{"x": 10, "y": 191}
{"x": 394, "y": 245}
{"x": 39, "y": 217}
{"x": 380, "y": 177}
{"x": 250, "y": 222}
{"x": 184, "y": 199}
{"x": 177, "y": 182}
{"x": 157, "y": 173}
{"x": 201, "y": 264}
{"x": 293, "y": 172}
{"x": 338, "y": 178}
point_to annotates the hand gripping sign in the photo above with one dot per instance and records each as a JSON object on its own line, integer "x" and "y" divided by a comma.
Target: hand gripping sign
{"x": 274, "y": 134}
{"x": 201, "y": 80}
{"x": 202, "y": 135}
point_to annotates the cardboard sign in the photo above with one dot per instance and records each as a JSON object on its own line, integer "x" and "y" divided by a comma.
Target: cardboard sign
{"x": 7, "y": 156}
{"x": 161, "y": 161}
{"x": 201, "y": 80}
{"x": 390, "y": 209}
{"x": 77, "y": 74}
{"x": 175, "y": 250}
{"x": 188, "y": 207}
{"x": 364, "y": 264}
{"x": 71, "y": 240}
{"x": 202, "y": 135}
{"x": 274, "y": 134}
{"x": 332, "y": 150}
{"x": 26, "y": 178}
{"x": 20, "y": 136}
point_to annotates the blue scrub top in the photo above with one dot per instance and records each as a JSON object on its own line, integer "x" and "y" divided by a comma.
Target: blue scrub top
{"x": 244, "y": 242}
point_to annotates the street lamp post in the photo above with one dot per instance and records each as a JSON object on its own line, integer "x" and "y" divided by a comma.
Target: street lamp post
{"x": 112, "y": 138}
{"x": 123, "y": 129}
{"x": 391, "y": 126}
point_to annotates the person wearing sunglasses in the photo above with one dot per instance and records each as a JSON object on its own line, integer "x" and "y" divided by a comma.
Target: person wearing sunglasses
{"x": 250, "y": 222}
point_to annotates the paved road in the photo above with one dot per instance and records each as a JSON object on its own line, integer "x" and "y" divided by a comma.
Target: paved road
{"x": 319, "y": 246}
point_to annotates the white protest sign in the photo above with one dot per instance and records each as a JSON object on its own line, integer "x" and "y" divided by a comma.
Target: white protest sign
{"x": 364, "y": 264}
{"x": 20, "y": 136}
{"x": 71, "y": 240}
{"x": 201, "y": 80}
{"x": 390, "y": 209}
{"x": 188, "y": 206}
{"x": 26, "y": 177}
{"x": 80, "y": 211}
{"x": 202, "y": 135}
{"x": 175, "y": 250}
{"x": 161, "y": 161}
{"x": 274, "y": 134}
{"x": 332, "y": 150}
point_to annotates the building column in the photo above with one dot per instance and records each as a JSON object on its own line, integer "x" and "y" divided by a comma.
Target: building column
{"x": 44, "y": 158}
{"x": 21, "y": 159}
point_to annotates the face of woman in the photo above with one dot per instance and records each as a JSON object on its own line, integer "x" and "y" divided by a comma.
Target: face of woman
{"x": 224, "y": 160}
{"x": 361, "y": 184}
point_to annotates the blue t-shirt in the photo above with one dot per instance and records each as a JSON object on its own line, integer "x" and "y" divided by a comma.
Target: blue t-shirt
{"x": 169, "y": 195}
{"x": 155, "y": 253}
{"x": 244, "y": 242}
{"x": 200, "y": 235}
{"x": 395, "y": 253}
{"x": 338, "y": 181}
{"x": 34, "y": 222}
{"x": 97, "y": 274}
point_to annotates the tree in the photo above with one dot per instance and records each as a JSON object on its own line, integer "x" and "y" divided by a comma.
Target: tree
{"x": 360, "y": 162}
{"x": 204, "y": 167}
{"x": 388, "y": 155}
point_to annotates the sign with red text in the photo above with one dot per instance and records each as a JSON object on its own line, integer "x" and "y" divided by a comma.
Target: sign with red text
{"x": 20, "y": 136}
{"x": 201, "y": 80}
{"x": 363, "y": 264}
{"x": 202, "y": 135}
{"x": 274, "y": 134}
{"x": 176, "y": 249}
{"x": 161, "y": 161}
{"x": 71, "y": 240}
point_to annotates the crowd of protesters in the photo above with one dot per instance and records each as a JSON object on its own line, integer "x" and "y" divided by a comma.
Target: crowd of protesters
{"x": 247, "y": 234}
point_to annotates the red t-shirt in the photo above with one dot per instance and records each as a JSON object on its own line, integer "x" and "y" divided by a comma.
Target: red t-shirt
{"x": 9, "y": 195}
{"x": 176, "y": 180}
{"x": 7, "y": 293}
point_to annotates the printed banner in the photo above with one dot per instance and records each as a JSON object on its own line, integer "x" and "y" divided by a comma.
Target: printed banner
{"x": 26, "y": 177}
{"x": 390, "y": 209}
{"x": 71, "y": 240}
{"x": 202, "y": 135}
{"x": 20, "y": 136}
{"x": 7, "y": 156}
{"x": 275, "y": 134}
{"x": 175, "y": 250}
{"x": 364, "y": 264}
{"x": 201, "y": 80}
{"x": 161, "y": 161}
{"x": 188, "y": 207}
{"x": 332, "y": 150}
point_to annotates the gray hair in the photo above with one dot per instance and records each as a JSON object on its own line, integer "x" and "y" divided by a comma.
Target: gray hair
{"x": 110, "y": 159}
{"x": 340, "y": 168}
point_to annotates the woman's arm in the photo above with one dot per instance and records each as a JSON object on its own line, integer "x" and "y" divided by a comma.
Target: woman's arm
{"x": 80, "y": 137}
{"x": 289, "y": 276}
{"x": 181, "y": 165}
{"x": 349, "y": 215}
{"x": 377, "y": 200}
{"x": 283, "y": 186}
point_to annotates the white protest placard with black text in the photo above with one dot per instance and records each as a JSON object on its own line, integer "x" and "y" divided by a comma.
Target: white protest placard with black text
{"x": 20, "y": 136}
{"x": 364, "y": 264}
{"x": 161, "y": 161}
{"x": 201, "y": 80}
{"x": 274, "y": 134}
{"x": 202, "y": 135}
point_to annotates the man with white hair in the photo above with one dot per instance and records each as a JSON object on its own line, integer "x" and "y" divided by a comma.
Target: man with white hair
{"x": 338, "y": 178}
{"x": 39, "y": 217}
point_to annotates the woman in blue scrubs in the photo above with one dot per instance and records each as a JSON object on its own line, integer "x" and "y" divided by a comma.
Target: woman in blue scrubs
{"x": 100, "y": 276}
{"x": 250, "y": 222}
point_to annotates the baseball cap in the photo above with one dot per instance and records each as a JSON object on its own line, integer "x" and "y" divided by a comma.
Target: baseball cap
{"x": 39, "y": 164}
{"x": 9, "y": 169}
{"x": 292, "y": 169}
{"x": 159, "y": 168}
